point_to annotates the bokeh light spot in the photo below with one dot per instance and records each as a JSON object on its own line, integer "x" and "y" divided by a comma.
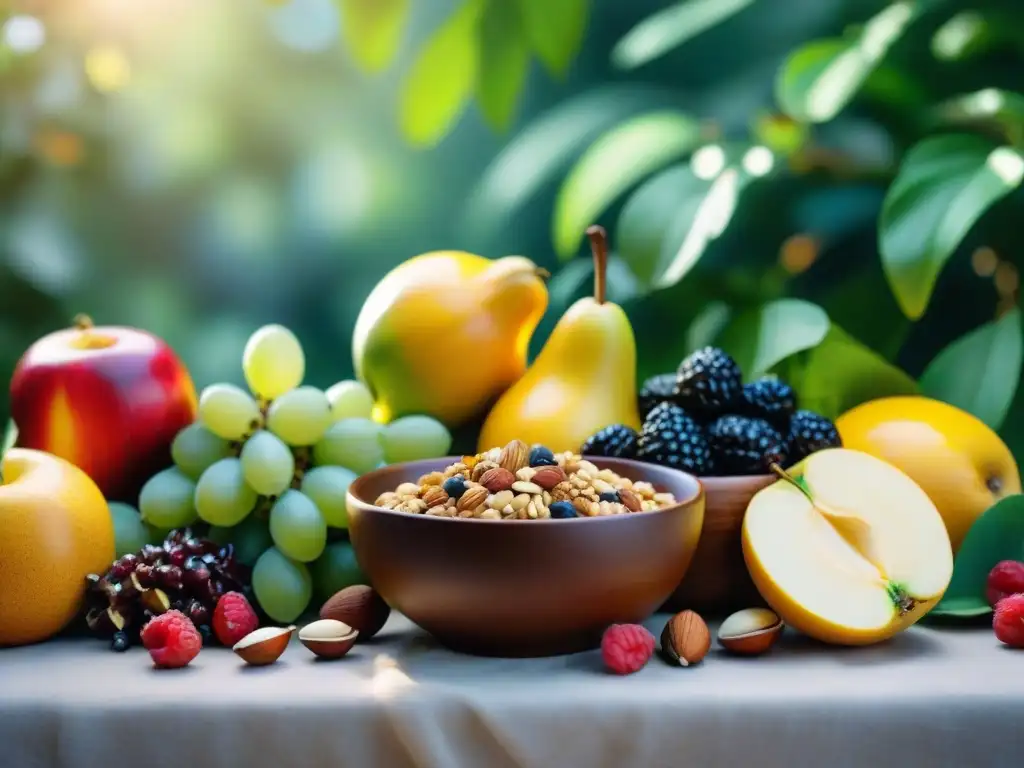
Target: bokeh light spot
{"x": 707, "y": 162}
{"x": 984, "y": 262}
{"x": 310, "y": 26}
{"x": 1007, "y": 279}
{"x": 24, "y": 34}
{"x": 107, "y": 69}
{"x": 798, "y": 253}
{"x": 61, "y": 148}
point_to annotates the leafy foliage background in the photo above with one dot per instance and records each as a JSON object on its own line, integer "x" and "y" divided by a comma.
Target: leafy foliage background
{"x": 828, "y": 188}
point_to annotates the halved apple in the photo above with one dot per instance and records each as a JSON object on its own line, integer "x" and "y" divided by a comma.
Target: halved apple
{"x": 847, "y": 548}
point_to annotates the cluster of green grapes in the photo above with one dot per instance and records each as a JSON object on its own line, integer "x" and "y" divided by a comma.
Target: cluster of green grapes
{"x": 269, "y": 470}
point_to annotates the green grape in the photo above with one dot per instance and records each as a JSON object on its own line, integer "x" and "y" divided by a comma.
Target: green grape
{"x": 250, "y": 537}
{"x": 130, "y": 533}
{"x": 351, "y": 443}
{"x": 222, "y": 496}
{"x": 412, "y": 438}
{"x": 268, "y": 464}
{"x": 297, "y": 527}
{"x": 328, "y": 488}
{"x": 195, "y": 448}
{"x": 228, "y": 411}
{"x": 350, "y": 400}
{"x": 336, "y": 569}
{"x": 273, "y": 361}
{"x": 283, "y": 587}
{"x": 300, "y": 417}
{"x": 166, "y": 499}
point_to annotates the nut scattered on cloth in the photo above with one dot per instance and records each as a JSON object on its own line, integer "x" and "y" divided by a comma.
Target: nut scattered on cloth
{"x": 500, "y": 484}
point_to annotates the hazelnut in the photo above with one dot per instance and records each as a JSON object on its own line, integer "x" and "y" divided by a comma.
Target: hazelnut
{"x": 360, "y": 608}
{"x": 263, "y": 646}
{"x": 750, "y": 632}
{"x": 497, "y": 479}
{"x": 328, "y": 638}
{"x": 685, "y": 639}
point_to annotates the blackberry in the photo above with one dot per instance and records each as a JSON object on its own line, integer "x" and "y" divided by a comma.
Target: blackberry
{"x": 656, "y": 389}
{"x": 770, "y": 399}
{"x": 673, "y": 438}
{"x": 708, "y": 380}
{"x": 617, "y": 441}
{"x": 746, "y": 446}
{"x": 810, "y": 432}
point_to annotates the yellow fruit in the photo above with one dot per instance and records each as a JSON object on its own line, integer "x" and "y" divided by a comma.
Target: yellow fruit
{"x": 583, "y": 379}
{"x": 957, "y": 459}
{"x": 445, "y": 333}
{"x": 847, "y": 549}
{"x": 55, "y": 529}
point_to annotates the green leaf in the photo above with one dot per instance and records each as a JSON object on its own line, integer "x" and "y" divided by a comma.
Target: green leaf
{"x": 840, "y": 373}
{"x": 991, "y": 105}
{"x": 504, "y": 63}
{"x": 997, "y": 535}
{"x": 373, "y": 30}
{"x": 822, "y": 77}
{"x": 555, "y": 30}
{"x": 10, "y": 438}
{"x": 441, "y": 81}
{"x": 613, "y": 164}
{"x": 761, "y": 338}
{"x": 944, "y": 185}
{"x": 669, "y": 28}
{"x": 960, "y": 36}
{"x": 980, "y": 371}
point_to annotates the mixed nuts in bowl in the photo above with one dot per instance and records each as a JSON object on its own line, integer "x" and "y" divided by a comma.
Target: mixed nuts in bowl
{"x": 517, "y": 583}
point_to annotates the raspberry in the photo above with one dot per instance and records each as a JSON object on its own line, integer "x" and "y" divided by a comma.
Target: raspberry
{"x": 1008, "y": 622}
{"x": 172, "y": 640}
{"x": 626, "y": 648}
{"x": 233, "y": 618}
{"x": 1006, "y": 578}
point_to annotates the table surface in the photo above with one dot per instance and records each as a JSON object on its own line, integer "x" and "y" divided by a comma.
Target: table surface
{"x": 930, "y": 697}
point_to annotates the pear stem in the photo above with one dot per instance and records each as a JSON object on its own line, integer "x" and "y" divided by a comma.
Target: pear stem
{"x": 778, "y": 470}
{"x": 82, "y": 322}
{"x": 599, "y": 246}
{"x": 542, "y": 273}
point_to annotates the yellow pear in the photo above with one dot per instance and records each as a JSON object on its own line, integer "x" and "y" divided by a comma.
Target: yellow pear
{"x": 847, "y": 548}
{"x": 584, "y": 378}
{"x": 444, "y": 333}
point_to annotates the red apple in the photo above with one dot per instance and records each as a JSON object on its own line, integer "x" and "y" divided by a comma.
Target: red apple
{"x": 108, "y": 399}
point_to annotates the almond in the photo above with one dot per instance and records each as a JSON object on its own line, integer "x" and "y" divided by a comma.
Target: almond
{"x": 582, "y": 506}
{"x": 629, "y": 500}
{"x": 472, "y": 498}
{"x": 514, "y": 456}
{"x": 359, "y": 607}
{"x": 434, "y": 496}
{"x": 548, "y": 477}
{"x": 480, "y": 469}
{"x": 497, "y": 479}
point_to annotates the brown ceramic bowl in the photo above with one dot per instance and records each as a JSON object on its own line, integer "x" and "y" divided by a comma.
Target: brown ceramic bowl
{"x": 519, "y": 588}
{"x": 717, "y": 582}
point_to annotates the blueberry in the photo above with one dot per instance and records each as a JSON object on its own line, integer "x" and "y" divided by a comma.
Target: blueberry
{"x": 206, "y": 633}
{"x": 562, "y": 509}
{"x": 455, "y": 486}
{"x": 542, "y": 457}
{"x": 609, "y": 496}
{"x": 120, "y": 642}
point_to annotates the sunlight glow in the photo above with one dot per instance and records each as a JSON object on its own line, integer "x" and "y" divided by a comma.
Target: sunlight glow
{"x": 24, "y": 34}
{"x": 758, "y": 161}
{"x": 707, "y": 162}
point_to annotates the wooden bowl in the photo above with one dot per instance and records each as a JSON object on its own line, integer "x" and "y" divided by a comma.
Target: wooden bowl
{"x": 519, "y": 588}
{"x": 717, "y": 582}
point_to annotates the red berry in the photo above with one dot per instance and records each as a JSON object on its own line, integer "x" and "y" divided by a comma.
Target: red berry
{"x": 233, "y": 618}
{"x": 1008, "y": 622}
{"x": 626, "y": 648}
{"x": 1007, "y": 578}
{"x": 172, "y": 640}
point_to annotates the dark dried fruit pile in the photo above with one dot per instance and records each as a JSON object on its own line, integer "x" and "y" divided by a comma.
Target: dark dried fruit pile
{"x": 185, "y": 573}
{"x": 705, "y": 420}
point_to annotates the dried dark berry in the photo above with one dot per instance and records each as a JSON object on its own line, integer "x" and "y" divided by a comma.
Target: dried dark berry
{"x": 561, "y": 510}
{"x": 542, "y": 457}
{"x": 673, "y": 438}
{"x": 120, "y": 642}
{"x": 770, "y": 399}
{"x": 168, "y": 576}
{"x": 746, "y": 446}
{"x": 708, "y": 380}
{"x": 655, "y": 390}
{"x": 810, "y": 432}
{"x": 612, "y": 496}
{"x": 616, "y": 441}
{"x": 455, "y": 486}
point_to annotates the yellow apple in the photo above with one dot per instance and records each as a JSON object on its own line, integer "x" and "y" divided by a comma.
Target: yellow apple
{"x": 846, "y": 548}
{"x": 959, "y": 461}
